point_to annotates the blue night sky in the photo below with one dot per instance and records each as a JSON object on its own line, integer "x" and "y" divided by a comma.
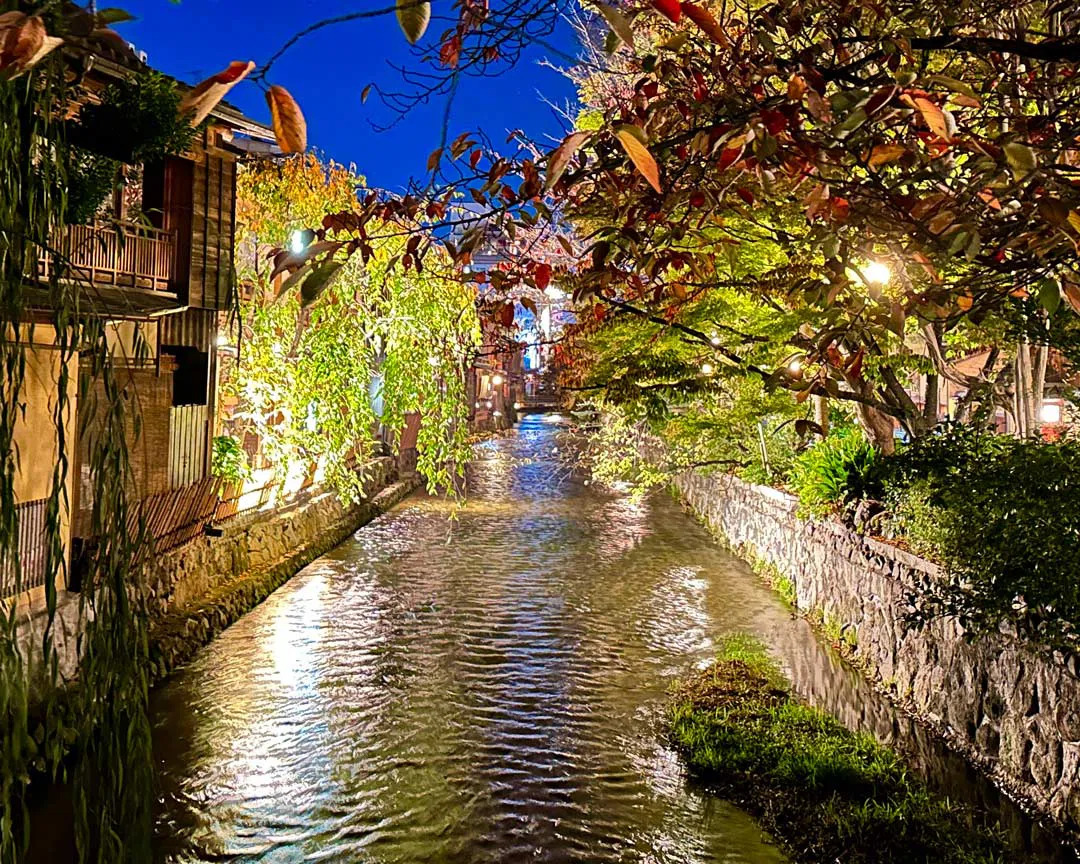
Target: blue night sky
{"x": 327, "y": 71}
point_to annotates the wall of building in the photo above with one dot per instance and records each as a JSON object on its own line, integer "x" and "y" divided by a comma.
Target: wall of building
{"x": 148, "y": 393}
{"x": 1010, "y": 707}
{"x": 35, "y": 430}
{"x": 38, "y": 444}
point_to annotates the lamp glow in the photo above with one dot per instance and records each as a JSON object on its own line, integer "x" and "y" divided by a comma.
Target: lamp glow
{"x": 496, "y": 380}
{"x": 877, "y": 273}
{"x": 1050, "y": 412}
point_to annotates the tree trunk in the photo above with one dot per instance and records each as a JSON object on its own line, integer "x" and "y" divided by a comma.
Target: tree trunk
{"x": 878, "y": 427}
{"x": 821, "y": 414}
{"x": 1030, "y": 381}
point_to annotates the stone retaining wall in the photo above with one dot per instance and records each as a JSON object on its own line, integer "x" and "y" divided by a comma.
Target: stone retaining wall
{"x": 1012, "y": 709}
{"x": 199, "y": 589}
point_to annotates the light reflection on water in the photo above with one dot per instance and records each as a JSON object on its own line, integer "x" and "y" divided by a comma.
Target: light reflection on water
{"x": 487, "y": 689}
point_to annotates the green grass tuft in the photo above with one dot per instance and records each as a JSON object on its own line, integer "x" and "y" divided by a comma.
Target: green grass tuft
{"x": 827, "y": 793}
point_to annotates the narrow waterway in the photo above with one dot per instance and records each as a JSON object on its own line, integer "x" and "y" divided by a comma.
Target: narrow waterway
{"x": 487, "y": 689}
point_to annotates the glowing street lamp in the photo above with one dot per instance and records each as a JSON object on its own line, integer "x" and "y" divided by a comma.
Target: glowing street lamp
{"x": 877, "y": 273}
{"x": 496, "y": 380}
{"x": 300, "y": 239}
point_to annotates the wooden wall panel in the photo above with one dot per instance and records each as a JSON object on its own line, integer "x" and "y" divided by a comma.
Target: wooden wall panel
{"x": 213, "y": 229}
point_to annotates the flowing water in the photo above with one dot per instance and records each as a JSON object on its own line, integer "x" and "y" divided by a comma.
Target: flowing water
{"x": 488, "y": 689}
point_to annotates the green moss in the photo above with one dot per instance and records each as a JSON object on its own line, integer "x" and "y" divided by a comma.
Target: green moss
{"x": 827, "y": 793}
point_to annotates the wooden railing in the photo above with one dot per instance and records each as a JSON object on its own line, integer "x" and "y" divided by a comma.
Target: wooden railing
{"x": 120, "y": 254}
{"x": 30, "y": 553}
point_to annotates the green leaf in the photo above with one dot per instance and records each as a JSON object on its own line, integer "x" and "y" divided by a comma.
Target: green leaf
{"x": 954, "y": 85}
{"x": 413, "y": 18}
{"x": 1021, "y": 158}
{"x": 850, "y": 123}
{"x": 320, "y": 279}
{"x": 112, "y": 15}
{"x": 1049, "y": 294}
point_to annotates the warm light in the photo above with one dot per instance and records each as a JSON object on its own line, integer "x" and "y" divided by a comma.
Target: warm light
{"x": 489, "y": 403}
{"x": 877, "y": 273}
{"x": 1050, "y": 412}
{"x": 496, "y": 413}
{"x": 296, "y": 242}
{"x": 517, "y": 406}
{"x": 706, "y": 368}
{"x": 496, "y": 380}
{"x": 476, "y": 405}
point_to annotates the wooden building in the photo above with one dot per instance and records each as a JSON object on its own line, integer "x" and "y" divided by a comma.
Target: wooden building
{"x": 155, "y": 265}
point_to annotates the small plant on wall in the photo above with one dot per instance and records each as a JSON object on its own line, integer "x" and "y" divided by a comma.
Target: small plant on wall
{"x": 229, "y": 461}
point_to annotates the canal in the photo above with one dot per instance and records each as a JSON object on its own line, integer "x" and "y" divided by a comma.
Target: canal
{"x": 489, "y": 687}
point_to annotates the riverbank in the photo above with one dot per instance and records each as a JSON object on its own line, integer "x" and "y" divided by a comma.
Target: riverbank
{"x": 826, "y": 793}
{"x": 1007, "y": 707}
{"x": 204, "y": 587}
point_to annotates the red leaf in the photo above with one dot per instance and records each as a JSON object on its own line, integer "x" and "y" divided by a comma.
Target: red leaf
{"x": 542, "y": 276}
{"x": 745, "y": 194}
{"x": 706, "y": 23}
{"x": 506, "y": 314}
{"x": 670, "y": 9}
{"x": 560, "y": 158}
{"x": 204, "y": 97}
{"x": 775, "y": 122}
{"x": 729, "y": 156}
{"x": 450, "y": 52}
{"x": 854, "y": 369}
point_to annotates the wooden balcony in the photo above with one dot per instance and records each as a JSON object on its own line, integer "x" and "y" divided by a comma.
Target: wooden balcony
{"x": 116, "y": 254}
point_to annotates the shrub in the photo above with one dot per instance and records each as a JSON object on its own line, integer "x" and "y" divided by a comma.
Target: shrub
{"x": 837, "y": 470}
{"x": 136, "y": 120}
{"x": 1002, "y": 516}
{"x": 90, "y": 180}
